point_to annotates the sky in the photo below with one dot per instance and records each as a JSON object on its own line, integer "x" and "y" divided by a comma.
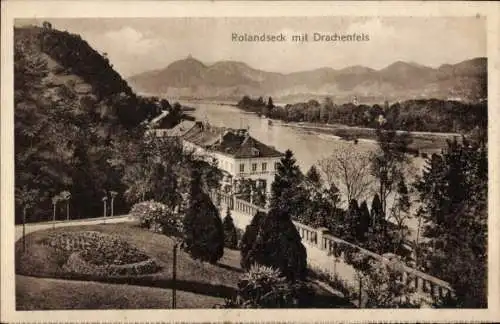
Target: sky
{"x": 136, "y": 45}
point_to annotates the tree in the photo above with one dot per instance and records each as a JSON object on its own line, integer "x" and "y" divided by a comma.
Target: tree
{"x": 287, "y": 192}
{"x": 389, "y": 162}
{"x": 203, "y": 231}
{"x": 314, "y": 177}
{"x": 453, "y": 190}
{"x": 47, "y": 25}
{"x": 400, "y": 213}
{"x": 278, "y": 245}
{"x": 351, "y": 169}
{"x": 377, "y": 216}
{"x": 377, "y": 234}
{"x": 270, "y": 104}
{"x": 364, "y": 221}
{"x": 249, "y": 237}
{"x": 353, "y": 219}
{"x": 230, "y": 234}
{"x": 27, "y": 198}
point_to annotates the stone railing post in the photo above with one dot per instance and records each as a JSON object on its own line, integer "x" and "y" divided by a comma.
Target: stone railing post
{"x": 320, "y": 232}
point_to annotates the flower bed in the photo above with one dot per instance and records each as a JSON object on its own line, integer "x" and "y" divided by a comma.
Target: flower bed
{"x": 77, "y": 264}
{"x": 95, "y": 253}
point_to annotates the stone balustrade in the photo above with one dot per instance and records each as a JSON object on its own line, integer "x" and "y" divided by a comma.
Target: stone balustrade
{"x": 245, "y": 207}
{"x": 321, "y": 239}
{"x": 422, "y": 282}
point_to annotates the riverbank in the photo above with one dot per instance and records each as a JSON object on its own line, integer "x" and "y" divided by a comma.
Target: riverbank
{"x": 423, "y": 142}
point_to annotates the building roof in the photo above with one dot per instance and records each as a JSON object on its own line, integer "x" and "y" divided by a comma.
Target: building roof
{"x": 202, "y": 134}
{"x": 180, "y": 129}
{"x": 235, "y": 142}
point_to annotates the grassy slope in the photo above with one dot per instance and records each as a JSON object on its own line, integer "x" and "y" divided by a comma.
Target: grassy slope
{"x": 201, "y": 285}
{"x": 46, "y": 293}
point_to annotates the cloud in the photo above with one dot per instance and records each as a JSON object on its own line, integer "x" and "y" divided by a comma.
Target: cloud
{"x": 137, "y": 45}
{"x": 132, "y": 40}
{"x": 130, "y": 50}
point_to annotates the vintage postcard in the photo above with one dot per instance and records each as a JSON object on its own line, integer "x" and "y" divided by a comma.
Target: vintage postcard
{"x": 249, "y": 161}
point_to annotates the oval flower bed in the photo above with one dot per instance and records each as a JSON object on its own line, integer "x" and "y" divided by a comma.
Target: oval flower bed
{"x": 95, "y": 253}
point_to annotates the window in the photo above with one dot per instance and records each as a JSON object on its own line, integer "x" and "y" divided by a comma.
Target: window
{"x": 254, "y": 167}
{"x": 242, "y": 167}
{"x": 276, "y": 165}
{"x": 264, "y": 167}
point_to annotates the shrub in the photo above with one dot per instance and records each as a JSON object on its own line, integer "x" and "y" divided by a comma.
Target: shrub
{"x": 157, "y": 217}
{"x": 265, "y": 287}
{"x": 349, "y": 254}
{"x": 384, "y": 288}
{"x": 249, "y": 237}
{"x": 171, "y": 223}
{"x": 278, "y": 245}
{"x": 230, "y": 234}
{"x": 149, "y": 213}
{"x": 203, "y": 232}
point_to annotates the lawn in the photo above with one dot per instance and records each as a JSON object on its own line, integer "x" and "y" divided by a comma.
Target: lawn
{"x": 42, "y": 282}
{"x": 49, "y": 294}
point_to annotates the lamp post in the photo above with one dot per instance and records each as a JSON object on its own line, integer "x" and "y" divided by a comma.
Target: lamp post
{"x": 55, "y": 199}
{"x": 174, "y": 273}
{"x": 66, "y": 195}
{"x": 24, "y": 228}
{"x": 113, "y": 195}
{"x": 104, "y": 200}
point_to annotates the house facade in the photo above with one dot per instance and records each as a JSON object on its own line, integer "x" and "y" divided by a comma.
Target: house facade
{"x": 238, "y": 155}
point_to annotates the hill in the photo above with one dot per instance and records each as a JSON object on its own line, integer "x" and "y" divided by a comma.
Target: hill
{"x": 70, "y": 107}
{"x": 229, "y": 80}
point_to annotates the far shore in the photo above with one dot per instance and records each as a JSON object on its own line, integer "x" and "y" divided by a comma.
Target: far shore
{"x": 428, "y": 142}
{"x": 422, "y": 141}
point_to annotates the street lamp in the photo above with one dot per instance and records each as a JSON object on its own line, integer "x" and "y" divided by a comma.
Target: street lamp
{"x": 177, "y": 242}
{"x": 66, "y": 195}
{"x": 104, "y": 200}
{"x": 55, "y": 199}
{"x": 24, "y": 228}
{"x": 113, "y": 195}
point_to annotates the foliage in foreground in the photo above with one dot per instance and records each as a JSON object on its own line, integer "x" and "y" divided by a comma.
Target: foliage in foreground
{"x": 265, "y": 287}
{"x": 384, "y": 288}
{"x": 68, "y": 116}
{"x": 230, "y": 232}
{"x": 275, "y": 242}
{"x": 273, "y": 239}
{"x": 454, "y": 195}
{"x": 203, "y": 231}
{"x": 157, "y": 217}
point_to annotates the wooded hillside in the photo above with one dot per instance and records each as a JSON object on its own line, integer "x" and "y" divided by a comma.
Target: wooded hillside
{"x": 71, "y": 109}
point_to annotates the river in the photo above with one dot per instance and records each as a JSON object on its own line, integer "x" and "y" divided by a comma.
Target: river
{"x": 308, "y": 147}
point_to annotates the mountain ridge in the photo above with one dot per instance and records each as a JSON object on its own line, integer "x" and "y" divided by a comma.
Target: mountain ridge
{"x": 399, "y": 81}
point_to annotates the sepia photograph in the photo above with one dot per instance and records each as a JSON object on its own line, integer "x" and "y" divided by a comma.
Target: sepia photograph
{"x": 284, "y": 162}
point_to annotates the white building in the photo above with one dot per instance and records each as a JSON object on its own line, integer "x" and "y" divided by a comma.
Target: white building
{"x": 238, "y": 155}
